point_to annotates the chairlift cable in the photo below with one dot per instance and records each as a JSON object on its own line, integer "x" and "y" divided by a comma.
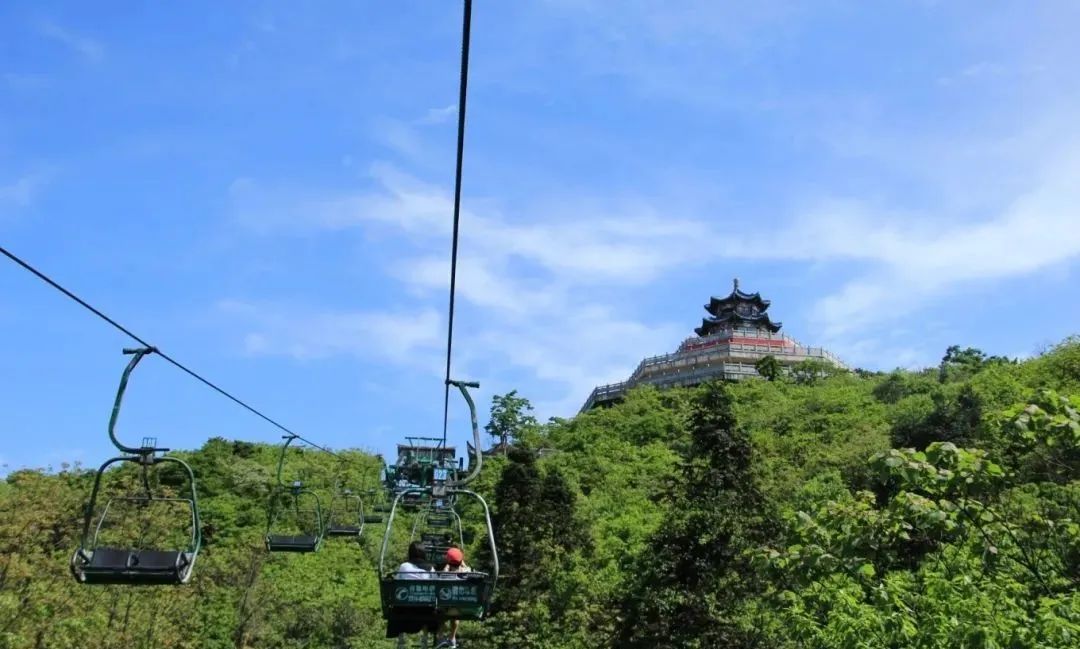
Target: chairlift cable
{"x": 195, "y": 375}
{"x": 464, "y": 76}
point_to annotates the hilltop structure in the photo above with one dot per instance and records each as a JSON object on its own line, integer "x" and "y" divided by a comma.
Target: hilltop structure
{"x": 736, "y": 334}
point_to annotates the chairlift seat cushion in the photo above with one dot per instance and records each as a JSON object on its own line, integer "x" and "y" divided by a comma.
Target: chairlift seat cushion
{"x": 373, "y": 519}
{"x": 302, "y": 543}
{"x": 343, "y": 530}
{"x": 128, "y": 566}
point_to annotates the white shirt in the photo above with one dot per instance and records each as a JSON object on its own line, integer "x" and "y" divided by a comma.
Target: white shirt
{"x": 409, "y": 570}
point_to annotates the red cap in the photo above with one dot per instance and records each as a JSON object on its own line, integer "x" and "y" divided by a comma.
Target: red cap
{"x": 454, "y": 556}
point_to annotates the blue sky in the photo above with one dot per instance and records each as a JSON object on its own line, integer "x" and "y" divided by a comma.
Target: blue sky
{"x": 263, "y": 190}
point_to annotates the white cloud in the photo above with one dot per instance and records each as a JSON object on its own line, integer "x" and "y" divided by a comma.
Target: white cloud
{"x": 576, "y": 347}
{"x": 439, "y": 115}
{"x": 22, "y": 191}
{"x": 535, "y": 281}
{"x": 401, "y": 138}
{"x": 89, "y": 49}
{"x": 910, "y": 260}
{"x": 488, "y": 283}
{"x": 308, "y": 334}
{"x": 548, "y": 283}
{"x": 966, "y": 189}
{"x": 408, "y": 138}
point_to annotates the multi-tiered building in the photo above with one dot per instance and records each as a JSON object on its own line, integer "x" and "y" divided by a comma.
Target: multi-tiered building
{"x": 737, "y": 333}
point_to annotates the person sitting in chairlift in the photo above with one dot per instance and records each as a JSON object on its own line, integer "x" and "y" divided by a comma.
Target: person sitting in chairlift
{"x": 455, "y": 562}
{"x": 416, "y": 566}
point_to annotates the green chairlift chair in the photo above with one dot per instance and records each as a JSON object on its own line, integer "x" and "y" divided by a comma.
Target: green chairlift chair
{"x": 445, "y": 595}
{"x": 95, "y": 563}
{"x": 346, "y": 515}
{"x": 305, "y": 504}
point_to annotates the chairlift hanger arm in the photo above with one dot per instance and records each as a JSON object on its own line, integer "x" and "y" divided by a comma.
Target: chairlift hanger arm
{"x": 136, "y": 356}
{"x": 464, "y": 386}
{"x": 281, "y": 458}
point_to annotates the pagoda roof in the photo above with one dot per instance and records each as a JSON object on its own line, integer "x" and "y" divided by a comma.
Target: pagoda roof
{"x": 708, "y": 325}
{"x": 717, "y": 303}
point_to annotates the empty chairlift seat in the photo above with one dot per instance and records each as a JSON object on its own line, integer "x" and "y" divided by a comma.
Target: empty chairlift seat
{"x": 292, "y": 543}
{"x": 135, "y": 567}
{"x": 338, "y": 529}
{"x": 295, "y": 515}
{"x": 439, "y": 521}
{"x": 98, "y": 563}
{"x": 346, "y": 515}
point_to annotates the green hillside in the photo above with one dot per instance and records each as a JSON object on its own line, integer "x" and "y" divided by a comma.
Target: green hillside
{"x": 909, "y": 509}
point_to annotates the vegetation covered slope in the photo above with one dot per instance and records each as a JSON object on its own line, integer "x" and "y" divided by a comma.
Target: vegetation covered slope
{"x": 910, "y": 509}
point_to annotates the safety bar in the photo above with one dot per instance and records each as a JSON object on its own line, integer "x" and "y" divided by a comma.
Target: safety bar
{"x": 345, "y": 495}
{"x": 295, "y": 492}
{"x": 426, "y": 514}
{"x": 390, "y": 526}
{"x": 491, "y": 537}
{"x": 196, "y": 526}
{"x": 487, "y": 520}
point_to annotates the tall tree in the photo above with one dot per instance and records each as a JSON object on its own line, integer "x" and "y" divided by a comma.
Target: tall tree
{"x": 808, "y": 372}
{"x": 689, "y": 587}
{"x": 509, "y": 418}
{"x": 535, "y": 523}
{"x": 959, "y": 364}
{"x": 769, "y": 368}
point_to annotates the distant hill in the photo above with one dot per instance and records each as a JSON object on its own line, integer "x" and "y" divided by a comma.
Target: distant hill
{"x": 907, "y": 509}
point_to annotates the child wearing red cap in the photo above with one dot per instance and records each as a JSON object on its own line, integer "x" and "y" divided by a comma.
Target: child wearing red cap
{"x": 455, "y": 562}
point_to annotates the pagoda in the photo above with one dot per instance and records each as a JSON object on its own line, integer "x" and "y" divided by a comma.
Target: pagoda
{"x": 737, "y": 332}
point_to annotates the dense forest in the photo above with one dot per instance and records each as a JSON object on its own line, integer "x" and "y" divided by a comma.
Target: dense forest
{"x": 816, "y": 508}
